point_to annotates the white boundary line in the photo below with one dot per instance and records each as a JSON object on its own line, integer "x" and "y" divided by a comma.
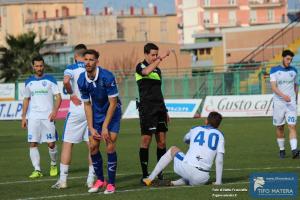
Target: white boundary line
{"x": 122, "y": 191}
{"x": 80, "y": 177}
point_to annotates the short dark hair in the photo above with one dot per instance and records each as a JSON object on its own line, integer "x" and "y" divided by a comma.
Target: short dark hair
{"x": 37, "y": 58}
{"x": 287, "y": 52}
{"x": 79, "y": 49}
{"x": 93, "y": 52}
{"x": 148, "y": 47}
{"x": 214, "y": 119}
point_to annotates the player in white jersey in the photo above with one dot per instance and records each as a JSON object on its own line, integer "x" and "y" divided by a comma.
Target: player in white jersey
{"x": 39, "y": 115}
{"x": 206, "y": 144}
{"x": 285, "y": 89}
{"x": 75, "y": 125}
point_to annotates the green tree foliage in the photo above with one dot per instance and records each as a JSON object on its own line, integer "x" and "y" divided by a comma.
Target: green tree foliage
{"x": 15, "y": 59}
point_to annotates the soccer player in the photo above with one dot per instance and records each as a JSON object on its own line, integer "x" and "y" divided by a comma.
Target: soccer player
{"x": 206, "y": 144}
{"x": 152, "y": 110}
{"x": 75, "y": 125}
{"x": 285, "y": 92}
{"x": 38, "y": 108}
{"x": 102, "y": 106}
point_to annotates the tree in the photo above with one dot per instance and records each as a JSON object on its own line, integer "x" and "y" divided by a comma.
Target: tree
{"x": 16, "y": 58}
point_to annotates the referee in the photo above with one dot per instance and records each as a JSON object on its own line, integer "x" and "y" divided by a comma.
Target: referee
{"x": 152, "y": 110}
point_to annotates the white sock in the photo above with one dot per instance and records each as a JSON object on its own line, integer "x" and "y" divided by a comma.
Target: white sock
{"x": 53, "y": 153}
{"x": 91, "y": 171}
{"x": 178, "y": 182}
{"x": 293, "y": 143}
{"x": 162, "y": 164}
{"x": 64, "y": 170}
{"x": 280, "y": 142}
{"x": 35, "y": 158}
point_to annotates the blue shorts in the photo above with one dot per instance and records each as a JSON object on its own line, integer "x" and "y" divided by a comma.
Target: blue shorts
{"x": 114, "y": 125}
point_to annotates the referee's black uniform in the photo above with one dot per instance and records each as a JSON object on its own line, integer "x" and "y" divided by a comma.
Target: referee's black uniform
{"x": 152, "y": 109}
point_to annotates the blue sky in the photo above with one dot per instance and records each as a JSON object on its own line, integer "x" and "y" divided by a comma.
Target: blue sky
{"x": 164, "y": 6}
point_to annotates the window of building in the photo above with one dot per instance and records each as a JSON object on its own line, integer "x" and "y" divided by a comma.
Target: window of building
{"x": 48, "y": 31}
{"x": 36, "y": 15}
{"x": 65, "y": 11}
{"x": 44, "y": 14}
{"x": 208, "y": 51}
{"x": 270, "y": 15}
{"x": 232, "y": 2}
{"x": 232, "y": 17}
{"x": 163, "y": 25}
{"x": 201, "y": 51}
{"x": 120, "y": 31}
{"x": 206, "y": 17}
{"x": 206, "y": 2}
{"x": 252, "y": 16}
{"x": 56, "y": 13}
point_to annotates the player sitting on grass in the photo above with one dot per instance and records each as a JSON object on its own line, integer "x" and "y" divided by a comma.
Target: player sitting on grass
{"x": 206, "y": 144}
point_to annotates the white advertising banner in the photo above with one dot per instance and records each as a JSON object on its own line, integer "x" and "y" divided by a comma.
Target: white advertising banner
{"x": 7, "y": 91}
{"x": 239, "y": 105}
{"x": 177, "y": 108}
{"x": 60, "y": 84}
{"x": 11, "y": 110}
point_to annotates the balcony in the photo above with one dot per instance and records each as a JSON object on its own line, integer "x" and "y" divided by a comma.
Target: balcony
{"x": 265, "y": 3}
{"x": 216, "y": 6}
{"x": 265, "y": 20}
{"x": 228, "y": 24}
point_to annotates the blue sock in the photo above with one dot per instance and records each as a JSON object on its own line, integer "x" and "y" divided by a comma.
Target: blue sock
{"x": 112, "y": 167}
{"x": 98, "y": 165}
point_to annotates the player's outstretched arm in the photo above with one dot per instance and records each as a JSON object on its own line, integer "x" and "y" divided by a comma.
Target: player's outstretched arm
{"x": 219, "y": 168}
{"x": 53, "y": 114}
{"x": 24, "y": 112}
{"x": 153, "y": 65}
{"x": 68, "y": 87}
{"x": 89, "y": 118}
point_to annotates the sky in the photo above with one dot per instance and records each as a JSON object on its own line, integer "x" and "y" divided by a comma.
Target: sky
{"x": 294, "y": 4}
{"x": 164, "y": 6}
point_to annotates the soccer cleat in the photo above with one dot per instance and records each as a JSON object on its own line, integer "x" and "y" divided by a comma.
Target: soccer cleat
{"x": 98, "y": 184}
{"x": 59, "y": 185}
{"x": 282, "y": 154}
{"x": 36, "y": 174}
{"x": 110, "y": 189}
{"x": 295, "y": 154}
{"x": 53, "y": 170}
{"x": 147, "y": 181}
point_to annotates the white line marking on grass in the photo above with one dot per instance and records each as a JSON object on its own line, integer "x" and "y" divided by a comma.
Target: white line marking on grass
{"x": 122, "y": 191}
{"x": 80, "y": 177}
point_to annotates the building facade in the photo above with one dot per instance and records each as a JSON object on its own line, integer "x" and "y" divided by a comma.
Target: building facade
{"x": 204, "y": 16}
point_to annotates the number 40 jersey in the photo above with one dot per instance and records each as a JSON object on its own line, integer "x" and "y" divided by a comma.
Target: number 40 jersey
{"x": 205, "y": 142}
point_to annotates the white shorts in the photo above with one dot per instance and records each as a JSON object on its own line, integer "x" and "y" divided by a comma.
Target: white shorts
{"x": 191, "y": 174}
{"x": 41, "y": 130}
{"x": 75, "y": 130}
{"x": 284, "y": 112}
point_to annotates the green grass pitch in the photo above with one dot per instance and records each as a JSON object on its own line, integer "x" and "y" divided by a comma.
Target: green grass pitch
{"x": 250, "y": 147}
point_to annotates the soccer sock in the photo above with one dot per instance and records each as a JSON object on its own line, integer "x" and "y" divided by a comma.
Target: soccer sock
{"x": 280, "y": 142}
{"x": 35, "y": 158}
{"x": 53, "y": 153}
{"x": 160, "y": 153}
{"x": 91, "y": 171}
{"x": 162, "y": 164}
{"x": 64, "y": 170}
{"x": 144, "y": 157}
{"x": 98, "y": 165}
{"x": 293, "y": 143}
{"x": 111, "y": 167}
